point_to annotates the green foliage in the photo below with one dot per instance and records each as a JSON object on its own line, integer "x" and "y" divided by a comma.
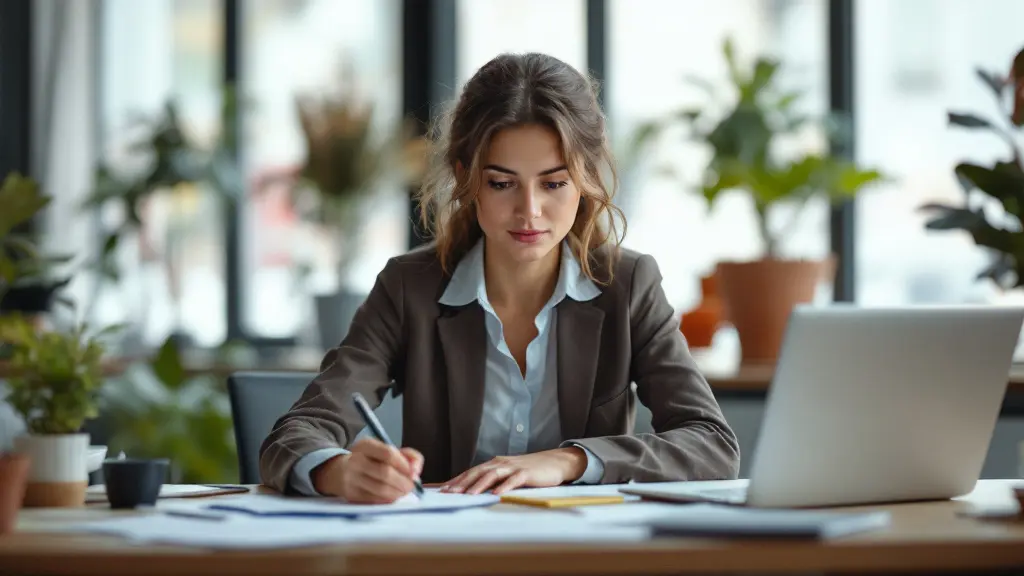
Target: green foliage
{"x": 21, "y": 261}
{"x": 166, "y": 413}
{"x": 1000, "y": 184}
{"x": 172, "y": 159}
{"x": 56, "y": 375}
{"x": 743, "y": 140}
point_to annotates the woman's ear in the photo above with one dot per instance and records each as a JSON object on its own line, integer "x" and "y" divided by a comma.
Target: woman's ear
{"x": 460, "y": 171}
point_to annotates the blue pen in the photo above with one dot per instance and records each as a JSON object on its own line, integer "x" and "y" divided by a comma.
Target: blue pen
{"x": 377, "y": 429}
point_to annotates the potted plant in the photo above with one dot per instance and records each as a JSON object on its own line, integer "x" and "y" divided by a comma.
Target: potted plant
{"x": 167, "y": 164}
{"x": 998, "y": 185}
{"x": 743, "y": 140}
{"x": 54, "y": 383}
{"x": 330, "y": 191}
{"x": 26, "y": 282}
{"x": 171, "y": 413}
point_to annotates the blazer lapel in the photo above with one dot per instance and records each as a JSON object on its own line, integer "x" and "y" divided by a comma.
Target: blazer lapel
{"x": 464, "y": 342}
{"x": 579, "y": 345}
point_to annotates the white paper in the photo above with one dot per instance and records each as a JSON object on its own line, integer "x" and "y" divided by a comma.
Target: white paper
{"x": 166, "y": 490}
{"x": 230, "y": 532}
{"x": 278, "y": 506}
{"x": 235, "y": 531}
{"x": 632, "y": 513}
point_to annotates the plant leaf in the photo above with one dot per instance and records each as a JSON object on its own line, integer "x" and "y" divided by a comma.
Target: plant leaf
{"x": 1002, "y": 265}
{"x": 952, "y": 217}
{"x": 1004, "y": 182}
{"x": 968, "y": 121}
{"x": 168, "y": 367}
{"x": 764, "y": 71}
{"x": 994, "y": 82}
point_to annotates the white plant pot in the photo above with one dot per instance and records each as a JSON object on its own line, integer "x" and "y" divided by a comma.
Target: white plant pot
{"x": 58, "y": 470}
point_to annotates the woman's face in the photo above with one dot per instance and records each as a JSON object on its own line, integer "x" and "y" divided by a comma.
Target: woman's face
{"x": 527, "y": 202}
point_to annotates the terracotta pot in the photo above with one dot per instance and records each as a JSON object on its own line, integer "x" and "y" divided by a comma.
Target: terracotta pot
{"x": 13, "y": 476}
{"x": 700, "y": 324}
{"x": 59, "y": 472}
{"x": 759, "y": 297}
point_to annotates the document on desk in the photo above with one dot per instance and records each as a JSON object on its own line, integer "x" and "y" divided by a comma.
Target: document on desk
{"x": 716, "y": 520}
{"x": 272, "y": 505}
{"x": 234, "y": 531}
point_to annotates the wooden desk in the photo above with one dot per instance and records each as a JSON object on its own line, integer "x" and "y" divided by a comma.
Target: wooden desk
{"x": 925, "y": 537}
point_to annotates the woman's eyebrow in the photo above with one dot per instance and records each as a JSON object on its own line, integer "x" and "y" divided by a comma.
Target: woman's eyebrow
{"x": 504, "y": 170}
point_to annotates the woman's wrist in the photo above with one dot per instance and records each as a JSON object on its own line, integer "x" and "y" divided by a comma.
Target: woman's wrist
{"x": 322, "y": 475}
{"x": 575, "y": 462}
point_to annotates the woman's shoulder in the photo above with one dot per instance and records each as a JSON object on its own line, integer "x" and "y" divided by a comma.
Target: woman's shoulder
{"x": 420, "y": 264}
{"x": 629, "y": 268}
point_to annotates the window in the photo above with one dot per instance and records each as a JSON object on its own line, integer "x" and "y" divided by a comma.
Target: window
{"x": 902, "y": 128}
{"x": 487, "y": 28}
{"x": 173, "y": 270}
{"x": 654, "y": 46}
{"x": 311, "y": 48}
{"x": 901, "y": 105}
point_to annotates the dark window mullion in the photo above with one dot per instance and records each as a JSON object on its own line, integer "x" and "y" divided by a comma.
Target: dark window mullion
{"x": 841, "y": 102}
{"x": 428, "y": 73}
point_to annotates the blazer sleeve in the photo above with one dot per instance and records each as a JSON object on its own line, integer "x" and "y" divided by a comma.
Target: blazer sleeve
{"x": 366, "y": 361}
{"x": 691, "y": 439}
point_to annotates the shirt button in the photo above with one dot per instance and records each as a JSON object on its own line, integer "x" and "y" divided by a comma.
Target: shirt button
{"x": 519, "y": 428}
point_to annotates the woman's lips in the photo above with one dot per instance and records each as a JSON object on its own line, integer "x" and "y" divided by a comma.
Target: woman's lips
{"x": 527, "y": 236}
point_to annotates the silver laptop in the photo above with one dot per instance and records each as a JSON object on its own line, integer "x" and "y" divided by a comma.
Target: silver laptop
{"x": 873, "y": 405}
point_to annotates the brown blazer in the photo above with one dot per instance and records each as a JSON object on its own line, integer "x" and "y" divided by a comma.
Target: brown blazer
{"x": 434, "y": 355}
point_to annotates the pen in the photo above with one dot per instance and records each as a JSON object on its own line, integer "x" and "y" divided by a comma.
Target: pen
{"x": 378, "y": 430}
{"x": 193, "y": 515}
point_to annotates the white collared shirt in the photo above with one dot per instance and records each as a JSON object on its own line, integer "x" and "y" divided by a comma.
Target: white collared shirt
{"x": 520, "y": 413}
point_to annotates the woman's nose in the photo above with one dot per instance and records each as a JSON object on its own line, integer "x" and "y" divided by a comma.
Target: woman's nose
{"x": 529, "y": 202}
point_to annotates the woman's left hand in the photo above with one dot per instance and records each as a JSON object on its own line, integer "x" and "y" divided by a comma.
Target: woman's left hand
{"x": 504, "y": 473}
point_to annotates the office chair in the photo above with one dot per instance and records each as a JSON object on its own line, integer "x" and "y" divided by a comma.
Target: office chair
{"x": 258, "y": 399}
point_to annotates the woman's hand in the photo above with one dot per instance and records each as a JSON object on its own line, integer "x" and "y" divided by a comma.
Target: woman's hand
{"x": 372, "y": 473}
{"x": 504, "y": 473}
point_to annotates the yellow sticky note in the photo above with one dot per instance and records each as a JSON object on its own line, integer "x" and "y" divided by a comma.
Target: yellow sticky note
{"x": 565, "y": 502}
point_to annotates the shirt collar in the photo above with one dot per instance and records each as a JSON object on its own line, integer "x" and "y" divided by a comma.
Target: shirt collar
{"x": 468, "y": 284}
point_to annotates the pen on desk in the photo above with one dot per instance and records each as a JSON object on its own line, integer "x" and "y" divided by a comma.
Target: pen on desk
{"x": 377, "y": 429}
{"x": 197, "y": 515}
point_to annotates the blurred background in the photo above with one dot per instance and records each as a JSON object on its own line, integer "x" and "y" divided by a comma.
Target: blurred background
{"x": 190, "y": 149}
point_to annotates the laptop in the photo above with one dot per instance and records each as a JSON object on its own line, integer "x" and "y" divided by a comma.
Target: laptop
{"x": 871, "y": 405}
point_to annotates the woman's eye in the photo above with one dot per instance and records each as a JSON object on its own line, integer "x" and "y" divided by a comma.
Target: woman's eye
{"x": 500, "y": 184}
{"x": 554, "y": 185}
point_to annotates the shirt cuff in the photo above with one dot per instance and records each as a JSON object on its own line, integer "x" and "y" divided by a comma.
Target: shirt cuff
{"x": 595, "y": 468}
{"x": 300, "y": 480}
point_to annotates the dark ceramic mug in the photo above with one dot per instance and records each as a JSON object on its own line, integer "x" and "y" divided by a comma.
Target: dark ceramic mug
{"x": 134, "y": 482}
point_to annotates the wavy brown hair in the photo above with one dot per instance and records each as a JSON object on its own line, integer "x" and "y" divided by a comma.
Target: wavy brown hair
{"x": 514, "y": 90}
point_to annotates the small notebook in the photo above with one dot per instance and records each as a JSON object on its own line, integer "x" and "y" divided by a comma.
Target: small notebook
{"x": 722, "y": 520}
{"x": 562, "y": 502}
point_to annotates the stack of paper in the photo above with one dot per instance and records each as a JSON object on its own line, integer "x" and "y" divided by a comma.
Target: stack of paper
{"x": 267, "y": 505}
{"x": 738, "y": 521}
{"x": 219, "y": 529}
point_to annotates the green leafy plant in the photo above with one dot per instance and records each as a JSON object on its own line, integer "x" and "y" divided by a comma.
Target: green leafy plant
{"x": 999, "y": 185}
{"x": 22, "y": 262}
{"x": 743, "y": 143}
{"x": 171, "y": 159}
{"x": 167, "y": 412}
{"x": 56, "y": 375}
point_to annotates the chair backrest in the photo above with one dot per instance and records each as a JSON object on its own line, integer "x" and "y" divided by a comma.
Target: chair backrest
{"x": 258, "y": 399}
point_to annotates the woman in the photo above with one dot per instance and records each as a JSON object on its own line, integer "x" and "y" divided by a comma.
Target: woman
{"x": 515, "y": 337}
